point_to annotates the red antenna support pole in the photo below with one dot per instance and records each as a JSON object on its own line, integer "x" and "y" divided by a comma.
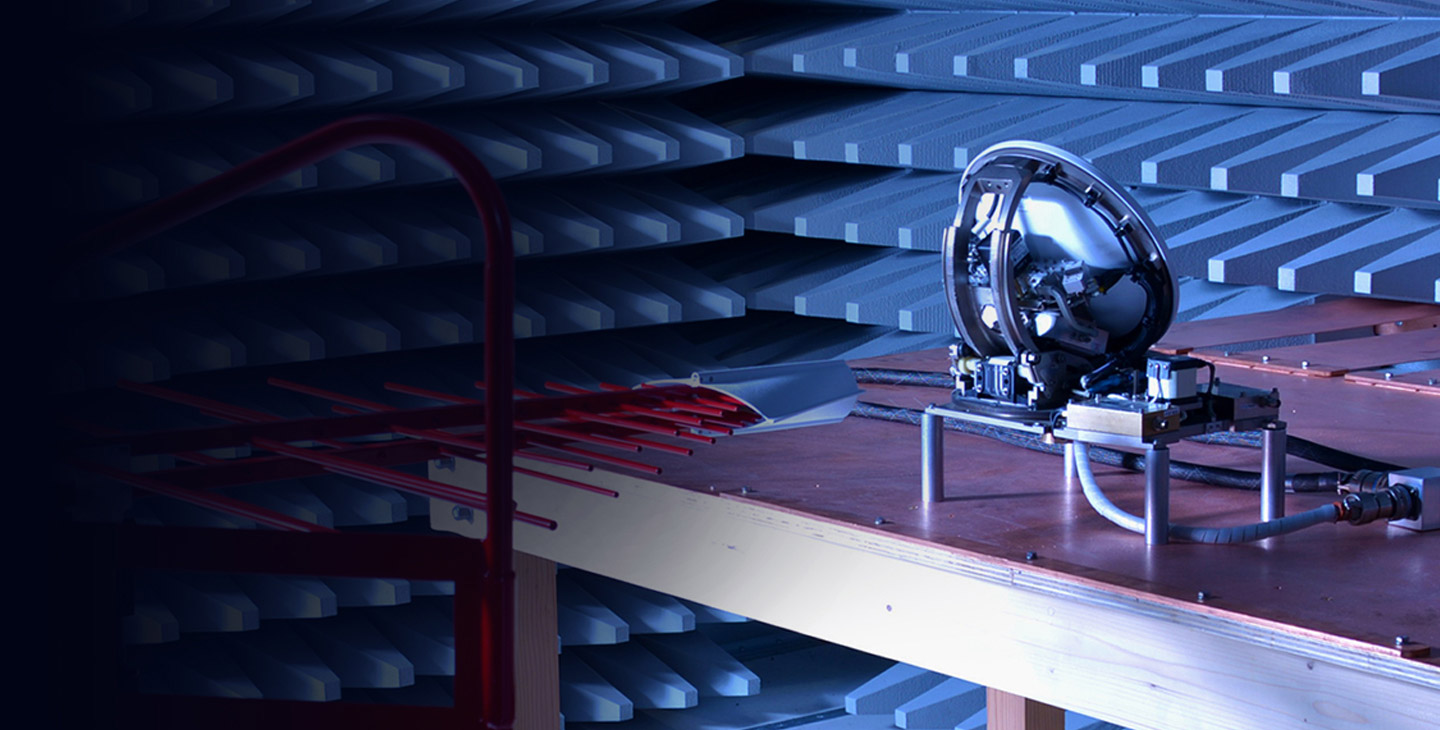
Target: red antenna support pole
{"x": 498, "y": 628}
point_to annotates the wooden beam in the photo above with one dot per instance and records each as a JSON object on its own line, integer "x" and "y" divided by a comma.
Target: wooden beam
{"x": 1137, "y": 659}
{"x": 537, "y": 647}
{"x": 1005, "y": 711}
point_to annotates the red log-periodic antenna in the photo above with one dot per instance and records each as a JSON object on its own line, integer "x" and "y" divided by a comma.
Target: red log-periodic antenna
{"x": 498, "y": 633}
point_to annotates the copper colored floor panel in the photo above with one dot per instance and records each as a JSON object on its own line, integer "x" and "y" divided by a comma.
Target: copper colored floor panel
{"x": 1333, "y": 316}
{"x": 1370, "y": 583}
{"x": 1328, "y": 359}
{"x": 1424, "y": 381}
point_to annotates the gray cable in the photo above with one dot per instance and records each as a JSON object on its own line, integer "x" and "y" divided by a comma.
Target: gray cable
{"x": 1222, "y": 535}
{"x": 1212, "y": 475}
{"x": 1294, "y": 445}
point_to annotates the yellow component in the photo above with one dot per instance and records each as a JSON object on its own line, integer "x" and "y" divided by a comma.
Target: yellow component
{"x": 968, "y": 365}
{"x": 1137, "y": 420}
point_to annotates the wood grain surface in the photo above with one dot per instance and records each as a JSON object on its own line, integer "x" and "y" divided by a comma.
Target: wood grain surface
{"x": 537, "y": 674}
{"x": 1103, "y": 644}
{"x": 822, "y": 530}
{"x": 1005, "y": 711}
{"x": 1012, "y": 501}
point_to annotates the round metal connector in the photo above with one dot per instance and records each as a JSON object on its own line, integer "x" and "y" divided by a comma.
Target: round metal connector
{"x": 1396, "y": 502}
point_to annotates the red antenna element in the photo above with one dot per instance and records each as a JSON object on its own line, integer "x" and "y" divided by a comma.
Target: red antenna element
{"x": 498, "y": 631}
{"x": 481, "y": 430}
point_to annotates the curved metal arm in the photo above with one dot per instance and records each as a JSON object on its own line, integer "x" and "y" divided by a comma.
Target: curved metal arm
{"x": 498, "y": 631}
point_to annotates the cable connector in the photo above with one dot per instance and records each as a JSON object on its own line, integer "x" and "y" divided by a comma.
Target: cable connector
{"x": 1409, "y": 498}
{"x": 1364, "y": 480}
{"x": 1396, "y": 502}
{"x": 1424, "y": 484}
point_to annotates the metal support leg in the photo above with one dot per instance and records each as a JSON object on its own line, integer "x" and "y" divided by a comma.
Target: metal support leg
{"x": 1070, "y": 465}
{"x": 1272, "y": 471}
{"x": 1157, "y": 495}
{"x": 932, "y": 458}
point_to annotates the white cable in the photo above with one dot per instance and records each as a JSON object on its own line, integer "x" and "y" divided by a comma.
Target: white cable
{"x": 1222, "y": 535}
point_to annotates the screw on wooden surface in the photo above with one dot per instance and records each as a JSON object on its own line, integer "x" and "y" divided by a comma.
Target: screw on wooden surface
{"x": 712, "y": 487}
{"x": 1264, "y": 358}
{"x": 1399, "y": 323}
{"x": 879, "y": 520}
{"x": 1389, "y": 376}
{"x": 746, "y": 489}
{"x": 1305, "y": 364}
{"x": 1202, "y": 596}
{"x": 1031, "y": 555}
{"x": 1432, "y": 381}
{"x": 1227, "y": 353}
{"x": 1401, "y": 640}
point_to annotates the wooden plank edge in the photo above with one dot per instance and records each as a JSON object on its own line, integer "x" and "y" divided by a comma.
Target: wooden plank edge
{"x": 1268, "y": 364}
{"x": 973, "y": 558}
{"x": 1408, "y": 383}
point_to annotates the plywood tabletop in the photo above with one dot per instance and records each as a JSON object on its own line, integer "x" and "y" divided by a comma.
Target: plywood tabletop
{"x": 1369, "y": 583}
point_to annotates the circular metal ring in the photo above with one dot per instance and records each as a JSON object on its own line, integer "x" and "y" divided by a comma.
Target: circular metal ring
{"x": 1020, "y": 196}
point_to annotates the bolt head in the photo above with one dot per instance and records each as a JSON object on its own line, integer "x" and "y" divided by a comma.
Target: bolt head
{"x": 1264, "y": 358}
{"x": 1031, "y": 555}
{"x": 1202, "y": 596}
{"x": 879, "y": 520}
{"x": 1305, "y": 364}
{"x": 1389, "y": 376}
{"x": 1402, "y": 640}
{"x": 1432, "y": 381}
{"x": 745, "y": 489}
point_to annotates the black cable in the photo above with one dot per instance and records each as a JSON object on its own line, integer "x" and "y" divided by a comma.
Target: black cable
{"x": 1294, "y": 445}
{"x": 1246, "y": 439}
{"x": 1212, "y": 475}
{"x": 1301, "y": 447}
{"x": 887, "y": 376}
{"x": 1342, "y": 460}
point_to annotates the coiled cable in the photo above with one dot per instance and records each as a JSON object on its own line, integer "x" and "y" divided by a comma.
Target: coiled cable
{"x": 1235, "y": 479}
{"x": 1214, "y": 535}
{"x": 1186, "y": 471}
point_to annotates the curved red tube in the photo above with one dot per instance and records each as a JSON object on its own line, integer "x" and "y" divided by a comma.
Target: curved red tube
{"x": 498, "y": 628}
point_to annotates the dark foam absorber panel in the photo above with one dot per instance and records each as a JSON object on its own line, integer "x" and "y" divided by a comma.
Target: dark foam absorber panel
{"x": 375, "y": 250}
{"x": 694, "y": 185}
{"x": 1290, "y": 144}
{"x": 1294, "y": 152}
{"x": 1288, "y": 153}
